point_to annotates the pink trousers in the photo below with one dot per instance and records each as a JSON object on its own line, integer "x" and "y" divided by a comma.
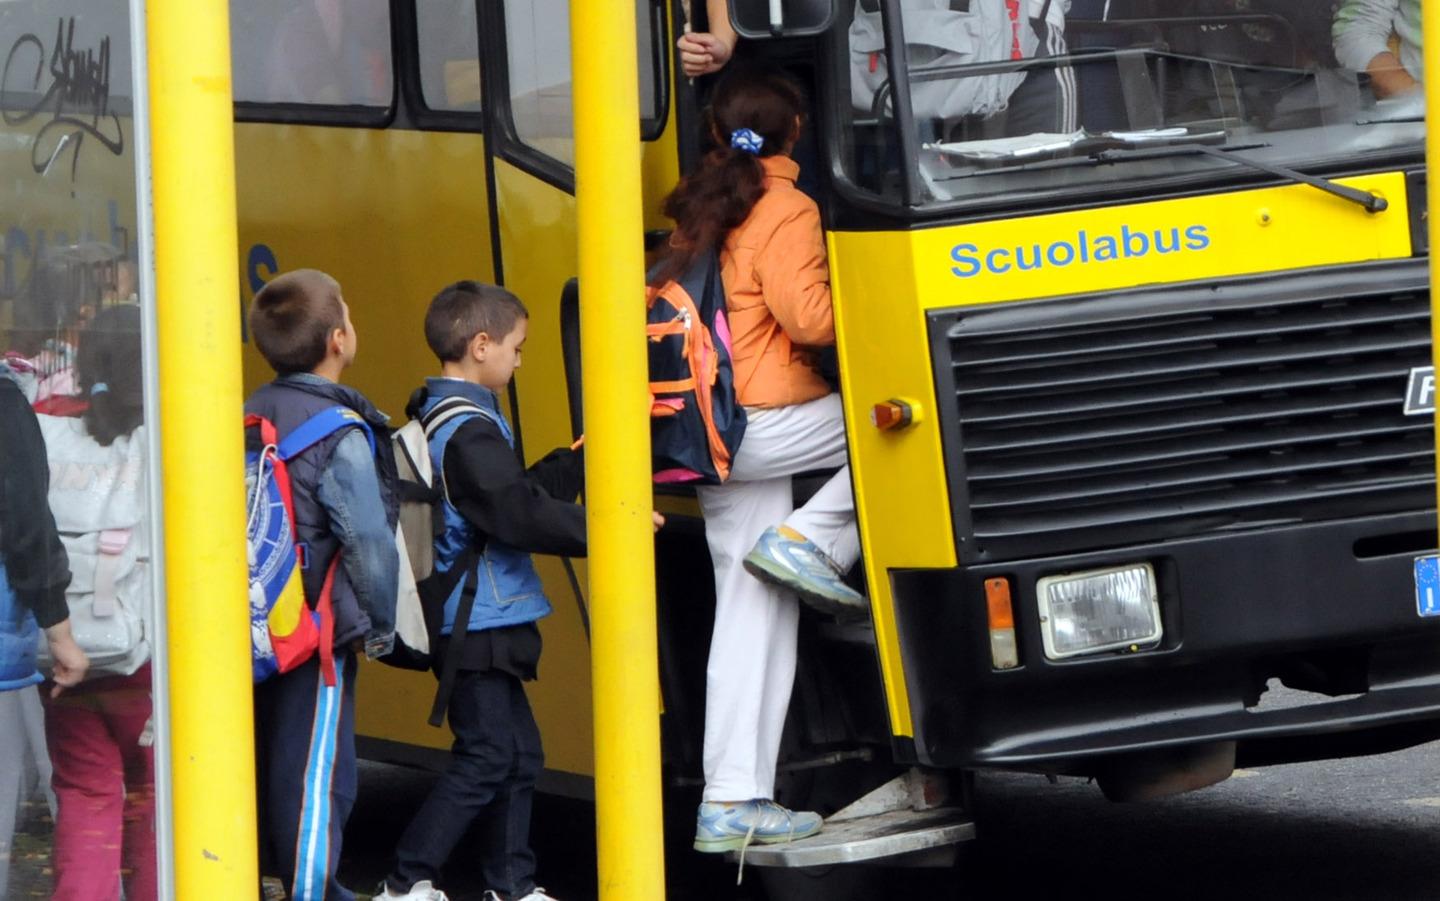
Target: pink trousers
{"x": 105, "y": 784}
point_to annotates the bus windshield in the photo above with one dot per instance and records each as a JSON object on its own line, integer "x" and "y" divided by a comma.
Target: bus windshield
{"x": 1038, "y": 97}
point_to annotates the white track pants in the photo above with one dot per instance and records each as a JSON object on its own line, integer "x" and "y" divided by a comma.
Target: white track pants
{"x": 752, "y": 650}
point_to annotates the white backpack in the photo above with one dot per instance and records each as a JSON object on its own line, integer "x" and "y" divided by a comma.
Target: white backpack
{"x": 420, "y": 492}
{"x": 98, "y": 497}
{"x": 420, "y": 489}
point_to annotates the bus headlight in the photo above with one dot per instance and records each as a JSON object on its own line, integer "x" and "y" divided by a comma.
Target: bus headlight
{"x": 1101, "y": 610}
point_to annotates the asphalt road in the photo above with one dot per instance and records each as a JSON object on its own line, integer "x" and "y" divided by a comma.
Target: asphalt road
{"x": 1350, "y": 829}
{"x": 1366, "y": 829}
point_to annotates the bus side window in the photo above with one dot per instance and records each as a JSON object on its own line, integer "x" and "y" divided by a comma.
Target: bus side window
{"x": 321, "y": 52}
{"x": 449, "y": 55}
{"x": 653, "y": 45}
{"x": 537, "y": 44}
{"x": 537, "y": 41}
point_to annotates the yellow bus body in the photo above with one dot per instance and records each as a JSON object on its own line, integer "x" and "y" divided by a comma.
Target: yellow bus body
{"x": 900, "y": 478}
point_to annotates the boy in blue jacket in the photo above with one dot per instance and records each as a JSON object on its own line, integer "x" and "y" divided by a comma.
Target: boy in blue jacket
{"x": 495, "y": 514}
{"x": 304, "y": 729}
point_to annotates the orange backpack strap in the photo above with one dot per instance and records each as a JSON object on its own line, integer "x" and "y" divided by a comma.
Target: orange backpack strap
{"x": 672, "y": 387}
{"x": 682, "y": 324}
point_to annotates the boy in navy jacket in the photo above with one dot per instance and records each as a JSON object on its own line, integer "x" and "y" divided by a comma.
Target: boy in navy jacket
{"x": 304, "y": 729}
{"x": 496, "y": 513}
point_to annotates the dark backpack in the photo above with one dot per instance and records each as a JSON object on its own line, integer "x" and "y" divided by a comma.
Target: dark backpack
{"x": 696, "y": 421}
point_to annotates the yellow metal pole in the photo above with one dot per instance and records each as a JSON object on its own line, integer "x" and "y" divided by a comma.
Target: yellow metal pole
{"x": 193, "y": 171}
{"x": 1431, "y": 80}
{"x": 617, "y": 459}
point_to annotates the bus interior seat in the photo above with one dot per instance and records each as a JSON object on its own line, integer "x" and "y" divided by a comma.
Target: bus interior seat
{"x": 570, "y": 353}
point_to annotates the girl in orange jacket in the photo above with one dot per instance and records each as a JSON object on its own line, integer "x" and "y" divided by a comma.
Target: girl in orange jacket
{"x": 743, "y": 200}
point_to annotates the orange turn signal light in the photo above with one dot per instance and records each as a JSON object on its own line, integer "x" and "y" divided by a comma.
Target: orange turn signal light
{"x": 892, "y": 414}
{"x": 1004, "y": 650}
{"x": 997, "y": 599}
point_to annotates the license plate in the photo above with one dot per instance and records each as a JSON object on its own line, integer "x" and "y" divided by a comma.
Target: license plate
{"x": 1427, "y": 585}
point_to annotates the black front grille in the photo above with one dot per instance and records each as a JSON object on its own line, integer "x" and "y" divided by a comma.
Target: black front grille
{"x": 1095, "y": 422}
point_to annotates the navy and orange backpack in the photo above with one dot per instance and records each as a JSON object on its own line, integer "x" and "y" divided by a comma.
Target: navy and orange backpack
{"x": 696, "y": 421}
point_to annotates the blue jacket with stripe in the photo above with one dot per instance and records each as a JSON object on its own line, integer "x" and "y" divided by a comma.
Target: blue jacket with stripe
{"x": 496, "y": 513}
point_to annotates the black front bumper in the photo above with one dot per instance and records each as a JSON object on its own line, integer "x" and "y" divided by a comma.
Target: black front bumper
{"x": 1328, "y": 607}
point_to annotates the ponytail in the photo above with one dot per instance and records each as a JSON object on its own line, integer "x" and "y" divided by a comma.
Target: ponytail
{"x": 709, "y": 204}
{"x": 753, "y": 115}
{"x": 110, "y": 372}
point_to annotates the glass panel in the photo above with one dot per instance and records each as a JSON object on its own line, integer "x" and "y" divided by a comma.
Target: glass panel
{"x": 1281, "y": 83}
{"x": 537, "y": 36}
{"x": 648, "y": 54}
{"x": 449, "y": 54}
{"x": 75, "y": 529}
{"x": 330, "y": 52}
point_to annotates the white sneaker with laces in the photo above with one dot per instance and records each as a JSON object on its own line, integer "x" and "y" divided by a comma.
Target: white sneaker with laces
{"x": 420, "y": 891}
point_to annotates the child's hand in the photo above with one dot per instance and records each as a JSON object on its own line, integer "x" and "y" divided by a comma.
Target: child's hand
{"x": 702, "y": 53}
{"x": 658, "y": 519}
{"x": 70, "y": 661}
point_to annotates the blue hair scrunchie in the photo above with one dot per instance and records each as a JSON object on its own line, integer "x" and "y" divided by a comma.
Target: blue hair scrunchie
{"x": 746, "y": 140}
{"x": 98, "y": 388}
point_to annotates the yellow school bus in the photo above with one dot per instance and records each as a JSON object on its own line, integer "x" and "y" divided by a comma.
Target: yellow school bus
{"x": 1137, "y": 412}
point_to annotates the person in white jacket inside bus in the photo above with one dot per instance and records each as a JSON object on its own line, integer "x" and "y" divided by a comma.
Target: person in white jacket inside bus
{"x": 1382, "y": 39}
{"x": 945, "y": 34}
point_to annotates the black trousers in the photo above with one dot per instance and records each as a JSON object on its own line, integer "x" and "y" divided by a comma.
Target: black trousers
{"x": 494, "y": 763}
{"x": 1046, "y": 100}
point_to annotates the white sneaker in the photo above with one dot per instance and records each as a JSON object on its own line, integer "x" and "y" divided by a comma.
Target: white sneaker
{"x": 420, "y": 891}
{"x": 536, "y": 894}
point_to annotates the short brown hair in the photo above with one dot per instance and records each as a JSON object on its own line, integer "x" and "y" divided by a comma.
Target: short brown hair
{"x": 465, "y": 309}
{"x": 293, "y": 317}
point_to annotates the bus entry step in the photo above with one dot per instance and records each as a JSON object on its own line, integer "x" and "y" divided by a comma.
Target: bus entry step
{"x": 872, "y": 838}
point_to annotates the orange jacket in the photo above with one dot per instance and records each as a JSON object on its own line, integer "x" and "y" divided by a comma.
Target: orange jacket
{"x": 777, "y": 286}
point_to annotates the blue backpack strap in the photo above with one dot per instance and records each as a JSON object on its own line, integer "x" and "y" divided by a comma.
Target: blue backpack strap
{"x": 453, "y": 415}
{"x": 445, "y": 410}
{"x": 321, "y": 426}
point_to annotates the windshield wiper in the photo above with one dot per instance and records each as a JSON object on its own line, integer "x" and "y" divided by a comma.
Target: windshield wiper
{"x": 1116, "y": 147}
{"x": 1372, "y": 202}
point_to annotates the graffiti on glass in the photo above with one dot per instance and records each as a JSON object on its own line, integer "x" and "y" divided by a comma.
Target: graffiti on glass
{"x": 75, "y": 103}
